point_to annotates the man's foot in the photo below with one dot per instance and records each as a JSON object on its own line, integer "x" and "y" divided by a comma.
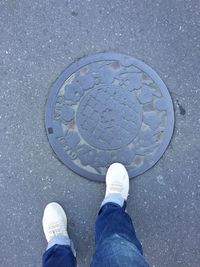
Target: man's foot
{"x": 117, "y": 180}
{"x": 54, "y": 221}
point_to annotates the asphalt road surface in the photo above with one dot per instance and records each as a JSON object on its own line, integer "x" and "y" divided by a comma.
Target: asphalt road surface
{"x": 38, "y": 40}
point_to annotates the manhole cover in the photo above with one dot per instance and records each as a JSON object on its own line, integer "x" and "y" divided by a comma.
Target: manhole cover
{"x": 109, "y": 108}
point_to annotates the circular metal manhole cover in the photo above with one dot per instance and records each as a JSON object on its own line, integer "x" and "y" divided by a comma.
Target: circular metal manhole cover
{"x": 109, "y": 108}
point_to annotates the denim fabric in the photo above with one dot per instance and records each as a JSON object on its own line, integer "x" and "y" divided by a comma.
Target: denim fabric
{"x": 59, "y": 256}
{"x": 59, "y": 239}
{"x": 116, "y": 243}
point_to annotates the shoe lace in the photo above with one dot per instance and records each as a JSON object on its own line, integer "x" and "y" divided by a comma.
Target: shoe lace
{"x": 55, "y": 229}
{"x": 116, "y": 187}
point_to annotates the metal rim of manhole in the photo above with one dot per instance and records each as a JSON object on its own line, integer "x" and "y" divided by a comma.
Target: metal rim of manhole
{"x": 106, "y": 108}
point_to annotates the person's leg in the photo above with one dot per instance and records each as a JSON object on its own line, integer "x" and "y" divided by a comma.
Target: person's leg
{"x": 60, "y": 251}
{"x": 116, "y": 243}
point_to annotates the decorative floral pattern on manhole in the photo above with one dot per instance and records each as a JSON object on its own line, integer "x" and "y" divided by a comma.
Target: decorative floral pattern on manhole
{"x": 109, "y": 108}
{"x": 107, "y": 112}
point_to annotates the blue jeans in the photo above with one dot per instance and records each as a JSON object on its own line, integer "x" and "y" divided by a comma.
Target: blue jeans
{"x": 115, "y": 239}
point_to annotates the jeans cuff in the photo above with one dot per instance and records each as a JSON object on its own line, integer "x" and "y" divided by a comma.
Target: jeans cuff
{"x": 63, "y": 241}
{"x": 59, "y": 240}
{"x": 113, "y": 198}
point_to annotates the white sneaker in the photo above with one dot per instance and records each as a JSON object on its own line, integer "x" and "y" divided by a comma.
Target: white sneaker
{"x": 117, "y": 180}
{"x": 54, "y": 221}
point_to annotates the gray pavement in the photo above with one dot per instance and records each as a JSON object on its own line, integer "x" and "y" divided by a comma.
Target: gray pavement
{"x": 38, "y": 39}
